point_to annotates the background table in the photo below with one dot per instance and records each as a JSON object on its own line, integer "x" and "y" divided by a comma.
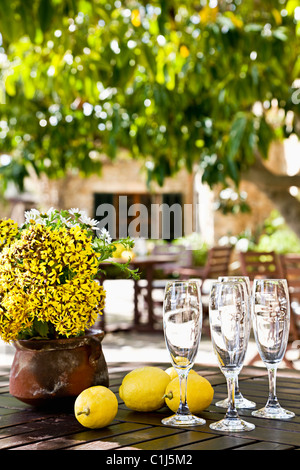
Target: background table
{"x": 146, "y": 265}
{"x": 24, "y": 428}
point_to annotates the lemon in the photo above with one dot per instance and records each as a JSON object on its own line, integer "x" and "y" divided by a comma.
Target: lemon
{"x": 173, "y": 372}
{"x": 143, "y": 388}
{"x": 119, "y": 249}
{"x": 96, "y": 407}
{"x": 199, "y": 393}
{"x": 181, "y": 361}
{"x": 127, "y": 255}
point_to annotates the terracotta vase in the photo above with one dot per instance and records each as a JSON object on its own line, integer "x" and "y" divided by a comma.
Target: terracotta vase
{"x": 48, "y": 372}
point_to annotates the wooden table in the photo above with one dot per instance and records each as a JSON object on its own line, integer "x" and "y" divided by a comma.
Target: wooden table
{"x": 25, "y": 428}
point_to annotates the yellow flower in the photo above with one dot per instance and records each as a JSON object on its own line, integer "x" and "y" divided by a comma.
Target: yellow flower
{"x": 48, "y": 276}
{"x": 8, "y": 232}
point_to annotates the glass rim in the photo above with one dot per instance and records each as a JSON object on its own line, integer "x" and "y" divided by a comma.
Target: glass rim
{"x": 182, "y": 281}
{"x": 241, "y": 285}
{"x": 220, "y": 283}
{"x": 233, "y": 277}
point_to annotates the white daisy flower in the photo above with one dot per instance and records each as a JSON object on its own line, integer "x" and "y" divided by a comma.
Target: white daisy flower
{"x": 65, "y": 221}
{"x": 51, "y": 211}
{"x": 75, "y": 211}
{"x": 105, "y": 236}
{"x": 33, "y": 214}
{"x": 88, "y": 221}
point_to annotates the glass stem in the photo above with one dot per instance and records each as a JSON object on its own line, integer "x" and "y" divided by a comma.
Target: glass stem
{"x": 272, "y": 399}
{"x": 231, "y": 412}
{"x": 237, "y": 393}
{"x": 183, "y": 406}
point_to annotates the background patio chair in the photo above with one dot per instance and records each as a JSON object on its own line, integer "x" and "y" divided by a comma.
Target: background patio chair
{"x": 256, "y": 264}
{"x": 291, "y": 272}
{"x": 217, "y": 264}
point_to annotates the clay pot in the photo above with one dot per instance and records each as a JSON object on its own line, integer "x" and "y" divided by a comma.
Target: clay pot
{"x": 53, "y": 371}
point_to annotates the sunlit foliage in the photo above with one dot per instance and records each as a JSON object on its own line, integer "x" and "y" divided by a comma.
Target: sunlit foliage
{"x": 179, "y": 83}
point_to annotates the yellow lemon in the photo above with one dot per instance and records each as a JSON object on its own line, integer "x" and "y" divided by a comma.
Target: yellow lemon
{"x": 181, "y": 361}
{"x": 199, "y": 393}
{"x": 96, "y": 407}
{"x": 143, "y": 389}
{"x": 119, "y": 249}
{"x": 127, "y": 255}
{"x": 173, "y": 373}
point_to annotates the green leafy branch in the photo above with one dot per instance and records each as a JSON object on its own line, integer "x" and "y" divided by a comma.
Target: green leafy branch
{"x": 106, "y": 251}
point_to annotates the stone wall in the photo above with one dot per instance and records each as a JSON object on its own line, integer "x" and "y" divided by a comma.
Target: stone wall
{"x": 124, "y": 176}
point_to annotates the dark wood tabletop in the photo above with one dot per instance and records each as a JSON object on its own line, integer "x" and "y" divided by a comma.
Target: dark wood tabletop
{"x": 25, "y": 428}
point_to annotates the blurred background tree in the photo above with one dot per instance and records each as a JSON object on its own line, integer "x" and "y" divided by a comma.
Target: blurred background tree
{"x": 179, "y": 83}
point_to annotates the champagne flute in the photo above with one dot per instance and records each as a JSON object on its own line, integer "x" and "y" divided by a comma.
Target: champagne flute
{"x": 182, "y": 320}
{"x": 240, "y": 400}
{"x": 229, "y": 325}
{"x": 271, "y": 323}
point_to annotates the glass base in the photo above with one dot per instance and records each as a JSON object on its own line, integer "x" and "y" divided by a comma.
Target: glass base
{"x": 273, "y": 413}
{"x": 183, "y": 420}
{"x": 239, "y": 401}
{"x": 232, "y": 425}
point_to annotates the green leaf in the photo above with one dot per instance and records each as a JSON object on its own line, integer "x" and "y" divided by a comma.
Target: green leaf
{"x": 236, "y": 135}
{"x": 280, "y": 33}
{"x": 233, "y": 171}
{"x": 265, "y": 137}
{"x": 7, "y": 22}
{"x": 41, "y": 328}
{"x": 253, "y": 28}
{"x": 25, "y": 10}
{"x": 45, "y": 13}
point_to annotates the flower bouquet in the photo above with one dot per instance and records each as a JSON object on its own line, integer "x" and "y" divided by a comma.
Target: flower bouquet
{"x": 48, "y": 268}
{"x": 50, "y": 300}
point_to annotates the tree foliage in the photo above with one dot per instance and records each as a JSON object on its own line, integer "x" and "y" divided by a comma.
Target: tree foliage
{"x": 179, "y": 83}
